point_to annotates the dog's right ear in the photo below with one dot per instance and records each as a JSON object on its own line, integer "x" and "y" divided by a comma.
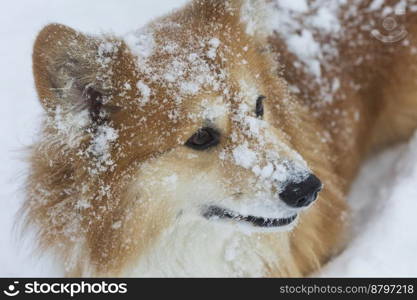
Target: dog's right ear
{"x": 68, "y": 68}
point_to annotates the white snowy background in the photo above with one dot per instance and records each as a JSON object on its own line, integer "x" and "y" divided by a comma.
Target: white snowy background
{"x": 383, "y": 200}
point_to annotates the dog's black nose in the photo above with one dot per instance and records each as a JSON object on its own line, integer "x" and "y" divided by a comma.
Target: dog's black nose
{"x": 302, "y": 193}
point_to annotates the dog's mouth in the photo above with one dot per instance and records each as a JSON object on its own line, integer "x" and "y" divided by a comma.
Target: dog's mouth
{"x": 215, "y": 212}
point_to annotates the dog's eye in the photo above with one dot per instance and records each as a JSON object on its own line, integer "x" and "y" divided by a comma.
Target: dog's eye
{"x": 259, "y": 110}
{"x": 203, "y": 139}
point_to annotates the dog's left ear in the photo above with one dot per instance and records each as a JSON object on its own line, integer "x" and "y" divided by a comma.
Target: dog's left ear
{"x": 69, "y": 69}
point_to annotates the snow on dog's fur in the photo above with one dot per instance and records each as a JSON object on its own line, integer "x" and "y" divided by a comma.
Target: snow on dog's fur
{"x": 168, "y": 152}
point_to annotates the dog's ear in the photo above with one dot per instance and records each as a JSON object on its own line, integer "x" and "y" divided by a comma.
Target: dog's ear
{"x": 70, "y": 69}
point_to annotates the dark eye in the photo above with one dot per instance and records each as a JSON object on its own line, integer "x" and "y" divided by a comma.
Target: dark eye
{"x": 259, "y": 110}
{"x": 203, "y": 139}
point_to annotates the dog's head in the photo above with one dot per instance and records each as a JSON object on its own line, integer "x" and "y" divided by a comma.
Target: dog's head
{"x": 184, "y": 119}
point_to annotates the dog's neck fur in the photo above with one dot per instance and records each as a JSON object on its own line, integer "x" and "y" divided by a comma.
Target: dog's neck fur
{"x": 200, "y": 248}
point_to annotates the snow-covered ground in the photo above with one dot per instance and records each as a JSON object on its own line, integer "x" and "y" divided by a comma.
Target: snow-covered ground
{"x": 384, "y": 198}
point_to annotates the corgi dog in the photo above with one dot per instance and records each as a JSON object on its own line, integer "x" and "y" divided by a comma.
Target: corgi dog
{"x": 219, "y": 140}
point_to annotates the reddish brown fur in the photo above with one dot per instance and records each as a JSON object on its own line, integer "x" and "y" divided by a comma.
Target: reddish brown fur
{"x": 387, "y": 106}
